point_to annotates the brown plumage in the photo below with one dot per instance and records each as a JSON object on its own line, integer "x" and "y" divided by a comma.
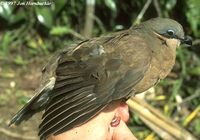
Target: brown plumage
{"x": 81, "y": 80}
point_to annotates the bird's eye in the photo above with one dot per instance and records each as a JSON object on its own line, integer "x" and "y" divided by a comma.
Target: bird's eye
{"x": 171, "y": 32}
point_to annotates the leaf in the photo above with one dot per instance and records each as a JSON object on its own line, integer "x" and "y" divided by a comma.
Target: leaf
{"x": 59, "y": 30}
{"x": 197, "y": 125}
{"x": 44, "y": 16}
{"x": 6, "y": 40}
{"x": 19, "y": 60}
{"x": 193, "y": 16}
{"x": 32, "y": 44}
{"x": 194, "y": 71}
{"x": 20, "y": 15}
{"x": 170, "y": 4}
{"x": 176, "y": 88}
{"x": 58, "y": 5}
{"x": 5, "y": 10}
{"x": 111, "y": 4}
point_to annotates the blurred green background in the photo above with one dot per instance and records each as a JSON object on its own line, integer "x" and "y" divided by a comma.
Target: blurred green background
{"x": 30, "y": 33}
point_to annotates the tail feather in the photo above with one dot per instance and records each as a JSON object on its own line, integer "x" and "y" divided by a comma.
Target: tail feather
{"x": 24, "y": 114}
{"x": 36, "y": 104}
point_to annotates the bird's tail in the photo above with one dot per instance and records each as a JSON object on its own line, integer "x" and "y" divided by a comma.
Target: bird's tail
{"x": 23, "y": 114}
{"x": 35, "y": 104}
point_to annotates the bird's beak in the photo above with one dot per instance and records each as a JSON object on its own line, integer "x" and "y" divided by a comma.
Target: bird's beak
{"x": 187, "y": 40}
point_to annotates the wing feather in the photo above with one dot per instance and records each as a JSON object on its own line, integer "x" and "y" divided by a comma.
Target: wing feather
{"x": 89, "y": 113}
{"x": 56, "y": 108}
{"x": 87, "y": 80}
{"x": 71, "y": 95}
{"x": 66, "y": 107}
{"x": 62, "y": 83}
{"x": 69, "y": 113}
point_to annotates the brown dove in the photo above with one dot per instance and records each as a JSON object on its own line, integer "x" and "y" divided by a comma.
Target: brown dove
{"x": 84, "y": 78}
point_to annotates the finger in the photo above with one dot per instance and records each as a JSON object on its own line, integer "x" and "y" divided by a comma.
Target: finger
{"x": 123, "y": 111}
{"x": 122, "y": 132}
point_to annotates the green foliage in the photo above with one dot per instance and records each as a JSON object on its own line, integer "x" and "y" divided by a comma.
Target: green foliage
{"x": 44, "y": 16}
{"x": 59, "y": 30}
{"x": 170, "y": 4}
{"x": 23, "y": 100}
{"x": 193, "y": 16}
{"x": 197, "y": 126}
{"x": 6, "y": 11}
{"x": 111, "y": 4}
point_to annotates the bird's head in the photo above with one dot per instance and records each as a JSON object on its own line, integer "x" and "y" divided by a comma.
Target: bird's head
{"x": 168, "y": 30}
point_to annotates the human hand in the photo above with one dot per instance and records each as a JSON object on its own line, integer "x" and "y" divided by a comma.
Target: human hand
{"x": 105, "y": 126}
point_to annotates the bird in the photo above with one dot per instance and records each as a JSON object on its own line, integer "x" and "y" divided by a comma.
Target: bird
{"x": 83, "y": 78}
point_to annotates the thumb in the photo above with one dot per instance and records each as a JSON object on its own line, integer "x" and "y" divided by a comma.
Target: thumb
{"x": 122, "y": 132}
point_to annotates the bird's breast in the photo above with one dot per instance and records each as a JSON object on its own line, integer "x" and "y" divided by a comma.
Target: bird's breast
{"x": 150, "y": 78}
{"x": 160, "y": 66}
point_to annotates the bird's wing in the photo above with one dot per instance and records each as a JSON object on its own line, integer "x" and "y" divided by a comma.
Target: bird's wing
{"x": 41, "y": 98}
{"x": 87, "y": 78}
{"x": 38, "y": 102}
